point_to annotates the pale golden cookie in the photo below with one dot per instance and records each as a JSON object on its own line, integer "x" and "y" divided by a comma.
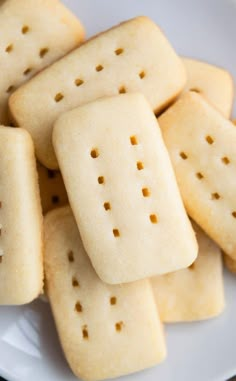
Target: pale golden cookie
{"x": 194, "y": 293}
{"x": 201, "y": 144}
{"x": 52, "y": 189}
{"x": 122, "y": 189}
{"x": 212, "y": 82}
{"x": 133, "y": 56}
{"x": 21, "y": 270}
{"x": 34, "y": 33}
{"x": 105, "y": 331}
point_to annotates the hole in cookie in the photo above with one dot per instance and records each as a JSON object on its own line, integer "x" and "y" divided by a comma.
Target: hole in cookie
{"x": 153, "y": 218}
{"x": 112, "y": 300}
{"x": 0, "y": 231}
{"x": 116, "y": 233}
{"x": 107, "y": 206}
{"x": 140, "y": 165}
{"x": 94, "y": 153}
{"x": 85, "y": 332}
{"x": 146, "y": 192}
{"x": 75, "y": 283}
{"x": 195, "y": 90}
{"x": 133, "y": 140}
{"x": 142, "y": 74}
{"x": 119, "y": 326}
{"x": 9, "y": 48}
{"x": 122, "y": 90}
{"x": 10, "y": 89}
{"x": 25, "y": 29}
{"x": 119, "y": 51}
{"x": 199, "y": 175}
{"x": 1, "y": 258}
{"x": 78, "y": 307}
{"x": 183, "y": 155}
{"x": 70, "y": 256}
{"x": 0, "y": 204}
{"x": 101, "y": 180}
{"x": 215, "y": 196}
{"x": 99, "y": 68}
{"x": 55, "y": 199}
{"x": 234, "y": 214}
{"x": 43, "y": 52}
{"x": 51, "y": 174}
{"x": 192, "y": 266}
{"x": 209, "y": 139}
{"x": 58, "y": 97}
{"x": 225, "y": 160}
{"x": 78, "y": 82}
{"x": 27, "y": 71}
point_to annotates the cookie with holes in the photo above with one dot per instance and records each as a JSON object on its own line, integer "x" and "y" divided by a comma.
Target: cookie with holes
{"x": 129, "y": 210}
{"x": 194, "y": 293}
{"x": 21, "y": 270}
{"x": 212, "y": 82}
{"x": 28, "y": 44}
{"x": 105, "y": 331}
{"x": 116, "y": 61}
{"x": 52, "y": 189}
{"x": 201, "y": 144}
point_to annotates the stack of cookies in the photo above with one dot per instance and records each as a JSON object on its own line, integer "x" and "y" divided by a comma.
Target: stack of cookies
{"x": 131, "y": 142}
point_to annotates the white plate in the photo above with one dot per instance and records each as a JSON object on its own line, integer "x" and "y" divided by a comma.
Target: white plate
{"x": 29, "y": 348}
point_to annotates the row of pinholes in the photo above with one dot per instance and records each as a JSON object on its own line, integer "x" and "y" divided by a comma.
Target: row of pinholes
{"x": 94, "y": 153}
{"x": 55, "y": 199}
{"x": 225, "y": 160}
{"x": 10, "y": 48}
{"x": 79, "y": 81}
{"x": 79, "y": 308}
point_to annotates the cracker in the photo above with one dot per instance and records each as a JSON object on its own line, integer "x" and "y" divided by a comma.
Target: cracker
{"x": 34, "y": 33}
{"x": 230, "y": 263}
{"x": 128, "y": 209}
{"x": 105, "y": 331}
{"x": 201, "y": 143}
{"x": 117, "y": 61}
{"x": 212, "y": 82}
{"x": 21, "y": 272}
{"x": 52, "y": 189}
{"x": 194, "y": 293}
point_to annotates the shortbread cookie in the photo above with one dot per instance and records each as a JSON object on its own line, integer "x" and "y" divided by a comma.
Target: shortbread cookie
{"x": 214, "y": 83}
{"x": 230, "y": 263}
{"x": 21, "y": 272}
{"x": 134, "y": 56}
{"x": 201, "y": 143}
{"x": 34, "y": 33}
{"x": 105, "y": 331}
{"x": 52, "y": 189}
{"x": 122, "y": 189}
{"x": 194, "y": 293}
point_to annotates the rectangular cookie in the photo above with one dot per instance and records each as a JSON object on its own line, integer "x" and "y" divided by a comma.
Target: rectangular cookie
{"x": 34, "y": 33}
{"x": 122, "y": 189}
{"x": 21, "y": 270}
{"x": 105, "y": 331}
{"x": 194, "y": 293}
{"x": 117, "y": 61}
{"x": 201, "y": 144}
{"x": 52, "y": 189}
{"x": 212, "y": 82}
